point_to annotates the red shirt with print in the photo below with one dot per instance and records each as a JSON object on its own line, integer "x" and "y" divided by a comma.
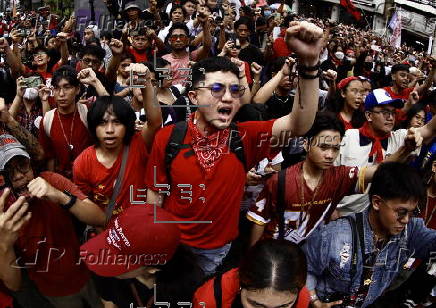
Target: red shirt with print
{"x": 194, "y": 196}
{"x": 48, "y": 246}
{"x": 337, "y": 182}
{"x": 64, "y": 132}
{"x": 230, "y": 289}
{"x": 97, "y": 181}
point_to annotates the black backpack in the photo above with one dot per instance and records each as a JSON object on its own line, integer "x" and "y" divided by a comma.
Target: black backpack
{"x": 175, "y": 144}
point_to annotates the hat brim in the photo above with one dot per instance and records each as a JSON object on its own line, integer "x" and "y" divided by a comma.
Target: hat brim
{"x": 397, "y": 103}
{"x": 131, "y": 7}
{"x": 104, "y": 260}
{"x": 11, "y": 153}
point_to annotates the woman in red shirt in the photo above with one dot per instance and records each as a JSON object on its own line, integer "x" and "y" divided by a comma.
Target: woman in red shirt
{"x": 273, "y": 274}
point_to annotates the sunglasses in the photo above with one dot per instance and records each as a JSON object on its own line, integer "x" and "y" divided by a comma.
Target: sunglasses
{"x": 175, "y": 37}
{"x": 218, "y": 90}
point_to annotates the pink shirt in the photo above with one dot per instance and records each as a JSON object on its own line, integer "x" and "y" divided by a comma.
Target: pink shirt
{"x": 180, "y": 76}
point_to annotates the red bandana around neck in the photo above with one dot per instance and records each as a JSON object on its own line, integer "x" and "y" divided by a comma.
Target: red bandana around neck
{"x": 208, "y": 149}
{"x": 377, "y": 148}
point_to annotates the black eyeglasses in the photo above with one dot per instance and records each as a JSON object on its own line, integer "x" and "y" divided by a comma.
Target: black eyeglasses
{"x": 218, "y": 90}
{"x": 402, "y": 213}
{"x": 386, "y": 113}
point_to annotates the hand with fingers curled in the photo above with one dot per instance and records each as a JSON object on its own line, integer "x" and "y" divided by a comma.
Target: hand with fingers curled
{"x": 12, "y": 219}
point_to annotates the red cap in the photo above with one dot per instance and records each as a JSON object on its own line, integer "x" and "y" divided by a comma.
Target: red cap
{"x": 344, "y": 82}
{"x": 138, "y": 237}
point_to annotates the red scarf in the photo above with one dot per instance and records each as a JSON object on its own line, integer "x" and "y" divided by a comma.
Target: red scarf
{"x": 377, "y": 148}
{"x": 208, "y": 149}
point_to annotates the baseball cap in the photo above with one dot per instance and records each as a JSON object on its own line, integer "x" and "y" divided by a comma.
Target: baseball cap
{"x": 143, "y": 235}
{"x": 9, "y": 148}
{"x": 381, "y": 97}
{"x": 132, "y": 6}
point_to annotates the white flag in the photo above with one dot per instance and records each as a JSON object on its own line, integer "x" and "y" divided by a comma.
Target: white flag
{"x": 395, "y": 25}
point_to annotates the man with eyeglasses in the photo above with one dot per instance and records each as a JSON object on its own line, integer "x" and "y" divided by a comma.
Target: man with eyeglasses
{"x": 178, "y": 37}
{"x": 37, "y": 233}
{"x": 205, "y": 178}
{"x": 352, "y": 261}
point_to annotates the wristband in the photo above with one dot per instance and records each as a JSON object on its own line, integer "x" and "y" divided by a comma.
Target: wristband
{"x": 308, "y": 68}
{"x": 304, "y": 75}
{"x": 70, "y": 203}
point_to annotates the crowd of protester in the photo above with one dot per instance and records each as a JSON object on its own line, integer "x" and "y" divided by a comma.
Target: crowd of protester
{"x": 229, "y": 154}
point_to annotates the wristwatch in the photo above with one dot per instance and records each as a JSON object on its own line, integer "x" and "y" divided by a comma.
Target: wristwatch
{"x": 70, "y": 203}
{"x": 313, "y": 298}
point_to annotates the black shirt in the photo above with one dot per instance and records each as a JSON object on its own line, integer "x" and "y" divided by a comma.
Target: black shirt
{"x": 251, "y": 54}
{"x": 278, "y": 106}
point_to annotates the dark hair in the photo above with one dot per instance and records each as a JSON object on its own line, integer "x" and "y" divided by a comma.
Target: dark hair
{"x": 183, "y": 2}
{"x": 127, "y": 55}
{"x": 178, "y": 25}
{"x": 117, "y": 106}
{"x": 65, "y": 72}
{"x": 175, "y": 7}
{"x": 394, "y": 180}
{"x": 399, "y": 67}
{"x": 212, "y": 64}
{"x": 325, "y": 121}
{"x": 179, "y": 278}
{"x": 106, "y": 34}
{"x": 277, "y": 65}
{"x": 160, "y": 62}
{"x": 412, "y": 112}
{"x": 96, "y": 51}
{"x": 277, "y": 264}
{"x": 243, "y": 20}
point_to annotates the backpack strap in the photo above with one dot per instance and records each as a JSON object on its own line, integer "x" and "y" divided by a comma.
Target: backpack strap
{"x": 281, "y": 190}
{"x": 236, "y": 145}
{"x": 48, "y": 121}
{"x": 174, "y": 144}
{"x": 217, "y": 290}
{"x": 355, "y": 239}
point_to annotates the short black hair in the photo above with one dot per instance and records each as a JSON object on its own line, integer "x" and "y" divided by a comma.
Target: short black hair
{"x": 400, "y": 67}
{"x": 160, "y": 63}
{"x": 394, "y": 180}
{"x": 277, "y": 65}
{"x": 244, "y": 21}
{"x": 212, "y": 64}
{"x": 418, "y": 107}
{"x": 325, "y": 121}
{"x": 96, "y": 51}
{"x": 117, "y": 106}
{"x": 178, "y": 25}
{"x": 175, "y": 7}
{"x": 65, "y": 72}
{"x": 277, "y": 264}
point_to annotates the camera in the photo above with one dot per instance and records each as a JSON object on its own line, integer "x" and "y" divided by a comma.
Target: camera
{"x": 32, "y": 82}
{"x": 24, "y": 32}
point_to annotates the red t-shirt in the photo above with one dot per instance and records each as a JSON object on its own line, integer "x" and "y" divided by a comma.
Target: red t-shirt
{"x": 48, "y": 246}
{"x": 280, "y": 48}
{"x": 400, "y": 115}
{"x": 139, "y": 56}
{"x": 347, "y": 124}
{"x": 216, "y": 199}
{"x": 6, "y": 301}
{"x": 336, "y": 183}
{"x": 56, "y": 146}
{"x": 45, "y": 74}
{"x": 97, "y": 181}
{"x": 230, "y": 289}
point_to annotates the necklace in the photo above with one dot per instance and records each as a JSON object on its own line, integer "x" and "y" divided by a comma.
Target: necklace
{"x": 283, "y": 101}
{"x": 70, "y": 146}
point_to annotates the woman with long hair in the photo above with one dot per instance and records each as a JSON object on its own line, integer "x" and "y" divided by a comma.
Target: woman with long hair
{"x": 272, "y": 274}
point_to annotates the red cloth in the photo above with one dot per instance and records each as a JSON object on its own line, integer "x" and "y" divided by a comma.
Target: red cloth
{"x": 280, "y": 48}
{"x": 57, "y": 147}
{"x": 351, "y": 9}
{"x": 45, "y": 74}
{"x": 337, "y": 182}
{"x": 400, "y": 114}
{"x": 377, "y": 148}
{"x": 48, "y": 245}
{"x": 216, "y": 199}
{"x": 230, "y": 289}
{"x": 347, "y": 124}
{"x": 429, "y": 214}
{"x": 97, "y": 181}
{"x": 6, "y": 301}
{"x": 139, "y": 56}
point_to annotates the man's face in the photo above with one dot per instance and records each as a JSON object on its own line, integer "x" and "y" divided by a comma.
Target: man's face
{"x": 20, "y": 174}
{"x": 243, "y": 32}
{"x": 140, "y": 42}
{"x": 381, "y": 119}
{"x": 211, "y": 4}
{"x": 41, "y": 58}
{"x": 90, "y": 61}
{"x": 353, "y": 94}
{"x": 133, "y": 13}
{"x": 401, "y": 79}
{"x": 177, "y": 15}
{"x": 65, "y": 93}
{"x": 110, "y": 131}
{"x": 179, "y": 40}
{"x": 324, "y": 148}
{"x": 268, "y": 297}
{"x": 394, "y": 214}
{"x": 220, "y": 108}
{"x": 88, "y": 35}
{"x": 123, "y": 66}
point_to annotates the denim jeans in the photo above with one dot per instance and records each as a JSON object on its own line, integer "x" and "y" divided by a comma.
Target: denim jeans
{"x": 210, "y": 259}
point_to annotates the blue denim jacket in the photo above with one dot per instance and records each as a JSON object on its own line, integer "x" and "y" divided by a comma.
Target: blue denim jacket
{"x": 329, "y": 252}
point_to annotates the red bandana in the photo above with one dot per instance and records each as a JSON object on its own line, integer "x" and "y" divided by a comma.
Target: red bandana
{"x": 377, "y": 148}
{"x": 208, "y": 149}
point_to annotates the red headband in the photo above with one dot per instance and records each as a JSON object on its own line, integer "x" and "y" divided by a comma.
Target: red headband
{"x": 344, "y": 82}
